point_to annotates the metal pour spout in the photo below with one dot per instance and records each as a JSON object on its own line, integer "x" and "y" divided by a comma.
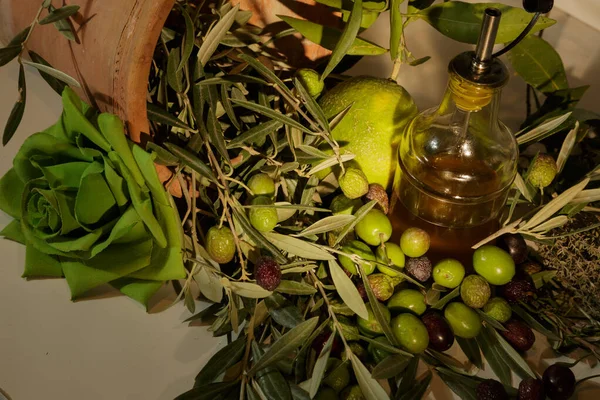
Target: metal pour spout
{"x": 485, "y": 44}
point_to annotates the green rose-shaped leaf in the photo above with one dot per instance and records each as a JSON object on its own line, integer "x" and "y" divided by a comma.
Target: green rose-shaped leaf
{"x": 89, "y": 206}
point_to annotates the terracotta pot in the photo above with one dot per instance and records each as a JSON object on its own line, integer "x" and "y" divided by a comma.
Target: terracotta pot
{"x": 116, "y": 44}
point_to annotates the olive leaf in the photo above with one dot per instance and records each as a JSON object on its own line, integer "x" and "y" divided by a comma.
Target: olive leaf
{"x": 586, "y": 196}
{"x": 298, "y": 247}
{"x": 191, "y": 161}
{"x": 256, "y": 236}
{"x": 490, "y": 320}
{"x": 370, "y": 388}
{"x": 295, "y": 288}
{"x": 174, "y": 75}
{"x": 418, "y": 390}
{"x": 209, "y": 284}
{"x": 359, "y": 215}
{"x": 320, "y": 366}
{"x": 287, "y": 343}
{"x": 409, "y": 375}
{"x": 345, "y": 42}
{"x": 331, "y": 161}
{"x": 552, "y": 223}
{"x": 533, "y": 323}
{"x": 567, "y": 148}
{"x": 271, "y": 383}
{"x": 441, "y": 303}
{"x": 212, "y": 391}
{"x": 255, "y": 134}
{"x": 59, "y": 14}
{"x": 327, "y": 224}
{"x": 267, "y": 73}
{"x": 386, "y": 347}
{"x": 555, "y": 205}
{"x": 215, "y": 35}
{"x": 54, "y": 73}
{"x": 64, "y": 26}
{"x": 347, "y": 291}
{"x": 16, "y": 114}
{"x": 396, "y": 27}
{"x": 312, "y": 106}
{"x": 223, "y": 359}
{"x": 328, "y": 37}
{"x": 57, "y": 85}
{"x": 523, "y": 188}
{"x": 376, "y": 307}
{"x": 269, "y": 112}
{"x": 188, "y": 39}
{"x": 282, "y": 312}
{"x": 390, "y": 367}
{"x": 9, "y": 53}
{"x": 471, "y": 350}
{"x": 462, "y": 21}
{"x": 246, "y": 289}
{"x": 160, "y": 115}
{"x": 458, "y": 386}
{"x": 511, "y": 353}
{"x": 489, "y": 347}
{"x": 536, "y": 61}
{"x": 19, "y": 37}
{"x": 542, "y": 130}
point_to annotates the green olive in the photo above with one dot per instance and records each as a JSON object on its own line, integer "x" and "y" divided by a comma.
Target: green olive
{"x": 408, "y": 300}
{"x": 448, "y": 273}
{"x": 220, "y": 244}
{"x": 411, "y": 333}
{"x": 263, "y": 219}
{"x": 414, "y": 242}
{"x": 374, "y": 228}
{"x": 262, "y": 185}
{"x": 370, "y": 327}
{"x": 394, "y": 255}
{"x": 494, "y": 264}
{"x": 361, "y": 250}
{"x": 463, "y": 320}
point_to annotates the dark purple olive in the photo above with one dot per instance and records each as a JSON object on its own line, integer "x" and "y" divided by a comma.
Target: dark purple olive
{"x": 322, "y": 338}
{"x": 491, "y": 390}
{"x": 531, "y": 389}
{"x": 521, "y": 288}
{"x": 518, "y": 334}
{"x": 441, "y": 337}
{"x": 559, "y": 382}
{"x": 515, "y": 245}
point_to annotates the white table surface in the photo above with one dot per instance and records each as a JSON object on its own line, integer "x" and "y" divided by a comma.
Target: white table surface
{"x": 110, "y": 348}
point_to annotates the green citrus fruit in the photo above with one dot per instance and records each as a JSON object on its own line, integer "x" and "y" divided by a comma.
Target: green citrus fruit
{"x": 498, "y": 308}
{"x": 262, "y": 185}
{"x": 407, "y": 300}
{"x": 372, "y": 128}
{"x": 414, "y": 242}
{"x": 463, "y": 320}
{"x": 263, "y": 219}
{"x": 377, "y": 353}
{"x": 371, "y": 327}
{"x": 494, "y": 264}
{"x": 543, "y": 171}
{"x": 337, "y": 374}
{"x": 311, "y": 81}
{"x": 374, "y": 228}
{"x": 352, "y": 393}
{"x": 475, "y": 291}
{"x": 343, "y": 205}
{"x": 448, "y": 273}
{"x": 411, "y": 333}
{"x": 220, "y": 244}
{"x": 353, "y": 183}
{"x": 361, "y": 250}
{"x": 394, "y": 255}
{"x": 326, "y": 393}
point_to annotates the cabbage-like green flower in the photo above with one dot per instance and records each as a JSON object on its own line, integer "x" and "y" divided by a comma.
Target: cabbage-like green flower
{"x": 89, "y": 206}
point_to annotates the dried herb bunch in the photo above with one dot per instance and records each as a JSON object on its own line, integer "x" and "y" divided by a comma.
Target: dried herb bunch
{"x": 576, "y": 258}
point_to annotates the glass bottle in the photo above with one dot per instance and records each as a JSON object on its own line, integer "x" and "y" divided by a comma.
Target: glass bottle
{"x": 458, "y": 161}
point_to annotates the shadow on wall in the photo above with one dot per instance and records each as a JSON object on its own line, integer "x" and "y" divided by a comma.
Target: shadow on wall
{"x": 575, "y": 41}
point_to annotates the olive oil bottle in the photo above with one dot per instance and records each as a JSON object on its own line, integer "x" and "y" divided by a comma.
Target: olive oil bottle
{"x": 458, "y": 161}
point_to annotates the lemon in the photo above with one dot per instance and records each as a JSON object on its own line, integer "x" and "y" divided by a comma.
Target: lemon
{"x": 372, "y": 128}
